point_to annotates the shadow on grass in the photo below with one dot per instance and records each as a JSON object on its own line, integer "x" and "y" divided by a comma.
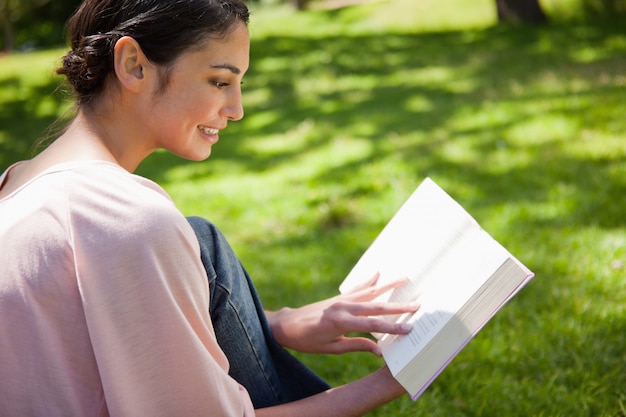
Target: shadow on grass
{"x": 449, "y": 73}
{"x": 493, "y": 62}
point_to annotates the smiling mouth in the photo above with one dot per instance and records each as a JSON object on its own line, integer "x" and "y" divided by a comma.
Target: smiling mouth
{"x": 208, "y": 130}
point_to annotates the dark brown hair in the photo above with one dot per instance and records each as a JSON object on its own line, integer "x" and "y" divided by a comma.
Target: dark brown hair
{"x": 163, "y": 28}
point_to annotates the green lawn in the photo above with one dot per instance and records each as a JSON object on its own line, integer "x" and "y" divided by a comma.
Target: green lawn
{"x": 348, "y": 110}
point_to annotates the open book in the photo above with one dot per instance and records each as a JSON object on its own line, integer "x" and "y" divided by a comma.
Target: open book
{"x": 458, "y": 274}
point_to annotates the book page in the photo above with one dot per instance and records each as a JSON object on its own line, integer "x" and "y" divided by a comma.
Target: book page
{"x": 425, "y": 227}
{"x": 435, "y": 355}
{"x": 461, "y": 273}
{"x": 457, "y": 272}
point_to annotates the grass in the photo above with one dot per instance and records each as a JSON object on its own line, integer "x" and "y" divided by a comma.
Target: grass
{"x": 348, "y": 109}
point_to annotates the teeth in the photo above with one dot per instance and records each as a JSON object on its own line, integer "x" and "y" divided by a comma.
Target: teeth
{"x": 208, "y": 130}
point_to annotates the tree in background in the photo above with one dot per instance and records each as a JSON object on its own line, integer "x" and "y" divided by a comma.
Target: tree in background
{"x": 612, "y": 10}
{"x": 526, "y": 11}
{"x": 8, "y": 11}
{"x": 38, "y": 22}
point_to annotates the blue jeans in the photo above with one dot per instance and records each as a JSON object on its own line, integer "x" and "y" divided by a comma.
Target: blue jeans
{"x": 271, "y": 375}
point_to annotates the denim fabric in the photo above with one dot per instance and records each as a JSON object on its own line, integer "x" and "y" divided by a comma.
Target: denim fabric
{"x": 270, "y": 374}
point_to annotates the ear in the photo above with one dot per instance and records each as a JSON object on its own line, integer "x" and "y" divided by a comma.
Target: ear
{"x": 132, "y": 67}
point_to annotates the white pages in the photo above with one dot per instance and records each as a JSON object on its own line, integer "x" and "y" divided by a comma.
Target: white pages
{"x": 458, "y": 274}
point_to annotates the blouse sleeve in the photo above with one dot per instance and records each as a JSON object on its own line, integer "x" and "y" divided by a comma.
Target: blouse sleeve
{"x": 145, "y": 297}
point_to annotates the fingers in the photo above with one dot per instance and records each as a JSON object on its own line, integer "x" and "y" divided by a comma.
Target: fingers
{"x": 375, "y": 325}
{"x": 356, "y": 344}
{"x": 369, "y": 283}
{"x": 366, "y": 317}
{"x": 371, "y": 291}
{"x": 373, "y": 308}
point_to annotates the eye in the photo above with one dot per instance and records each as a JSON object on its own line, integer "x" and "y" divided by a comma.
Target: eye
{"x": 220, "y": 84}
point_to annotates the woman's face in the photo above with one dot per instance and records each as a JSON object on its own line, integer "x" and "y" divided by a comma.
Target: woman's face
{"x": 202, "y": 96}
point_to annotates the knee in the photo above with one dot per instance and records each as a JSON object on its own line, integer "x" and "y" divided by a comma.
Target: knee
{"x": 199, "y": 223}
{"x": 202, "y": 227}
{"x": 213, "y": 244}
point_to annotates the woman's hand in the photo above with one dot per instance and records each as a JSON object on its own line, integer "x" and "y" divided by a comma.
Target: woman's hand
{"x": 322, "y": 327}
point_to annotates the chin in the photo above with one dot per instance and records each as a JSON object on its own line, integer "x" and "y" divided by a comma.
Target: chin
{"x": 196, "y": 155}
{"x": 200, "y": 158}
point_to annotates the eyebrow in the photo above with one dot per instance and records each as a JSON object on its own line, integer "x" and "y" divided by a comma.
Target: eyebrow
{"x": 231, "y": 68}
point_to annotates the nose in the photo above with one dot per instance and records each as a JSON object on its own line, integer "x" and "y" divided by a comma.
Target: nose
{"x": 233, "y": 109}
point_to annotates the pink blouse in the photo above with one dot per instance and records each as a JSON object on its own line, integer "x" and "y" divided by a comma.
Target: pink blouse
{"x": 104, "y": 302}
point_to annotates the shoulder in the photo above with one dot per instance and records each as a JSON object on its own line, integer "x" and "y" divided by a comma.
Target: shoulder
{"x": 109, "y": 185}
{"x": 95, "y": 205}
{"x": 108, "y": 196}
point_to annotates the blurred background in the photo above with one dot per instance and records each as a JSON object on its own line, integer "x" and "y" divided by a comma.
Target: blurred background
{"x": 28, "y": 24}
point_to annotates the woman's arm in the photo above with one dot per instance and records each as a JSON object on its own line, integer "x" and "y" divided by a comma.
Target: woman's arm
{"x": 145, "y": 301}
{"x": 350, "y": 400}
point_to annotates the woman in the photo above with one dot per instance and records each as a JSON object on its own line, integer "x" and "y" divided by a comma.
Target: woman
{"x": 112, "y": 302}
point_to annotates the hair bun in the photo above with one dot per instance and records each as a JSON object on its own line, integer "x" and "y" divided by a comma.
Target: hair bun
{"x": 87, "y": 66}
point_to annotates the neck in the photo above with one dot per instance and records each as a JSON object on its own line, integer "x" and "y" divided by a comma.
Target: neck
{"x": 99, "y": 137}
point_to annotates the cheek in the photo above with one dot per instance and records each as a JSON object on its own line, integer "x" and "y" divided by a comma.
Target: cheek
{"x": 183, "y": 107}
{"x": 194, "y": 107}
